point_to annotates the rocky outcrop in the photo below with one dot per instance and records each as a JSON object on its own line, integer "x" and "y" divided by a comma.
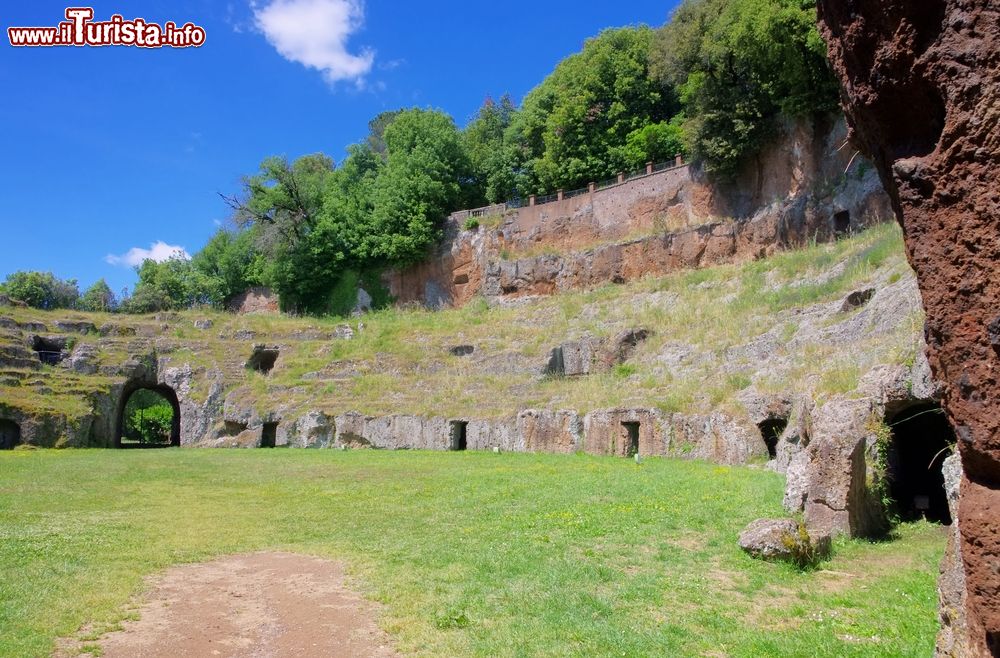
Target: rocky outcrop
{"x": 48, "y": 429}
{"x": 804, "y": 187}
{"x": 713, "y": 437}
{"x": 589, "y": 354}
{"x": 625, "y": 432}
{"x": 921, "y": 87}
{"x": 550, "y": 431}
{"x": 255, "y": 300}
{"x": 837, "y": 497}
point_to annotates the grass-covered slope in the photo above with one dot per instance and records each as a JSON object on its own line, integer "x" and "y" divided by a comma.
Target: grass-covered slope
{"x": 773, "y": 325}
{"x": 473, "y": 554}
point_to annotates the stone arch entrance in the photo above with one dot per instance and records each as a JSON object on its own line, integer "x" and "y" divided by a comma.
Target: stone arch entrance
{"x": 921, "y": 437}
{"x": 10, "y": 434}
{"x": 163, "y": 391}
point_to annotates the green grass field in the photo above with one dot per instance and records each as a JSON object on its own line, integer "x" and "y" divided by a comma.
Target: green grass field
{"x": 475, "y": 554}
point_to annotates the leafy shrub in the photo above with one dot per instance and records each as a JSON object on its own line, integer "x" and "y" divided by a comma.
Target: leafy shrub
{"x": 471, "y": 224}
{"x": 804, "y": 552}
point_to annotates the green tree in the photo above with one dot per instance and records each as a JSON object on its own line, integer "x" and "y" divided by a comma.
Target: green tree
{"x": 41, "y": 290}
{"x": 232, "y": 262}
{"x": 98, "y": 298}
{"x": 302, "y": 251}
{"x": 655, "y": 142}
{"x": 485, "y": 145}
{"x": 419, "y": 185}
{"x": 170, "y": 285}
{"x": 739, "y": 66}
{"x": 573, "y": 127}
{"x": 376, "y": 132}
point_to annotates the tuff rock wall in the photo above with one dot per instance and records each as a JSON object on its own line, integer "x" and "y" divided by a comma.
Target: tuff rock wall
{"x": 921, "y": 88}
{"x": 805, "y": 186}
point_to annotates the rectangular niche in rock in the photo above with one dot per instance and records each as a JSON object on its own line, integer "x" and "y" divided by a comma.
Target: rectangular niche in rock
{"x": 459, "y": 430}
{"x": 842, "y": 223}
{"x": 632, "y": 435}
{"x": 269, "y": 435}
{"x": 50, "y": 349}
{"x": 263, "y": 358}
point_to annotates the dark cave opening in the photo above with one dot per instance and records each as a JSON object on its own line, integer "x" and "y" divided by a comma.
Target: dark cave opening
{"x": 49, "y": 350}
{"x": 771, "y": 430}
{"x": 263, "y": 359}
{"x": 921, "y": 438}
{"x": 269, "y": 435}
{"x": 459, "y": 431}
{"x": 10, "y": 434}
{"x": 842, "y": 222}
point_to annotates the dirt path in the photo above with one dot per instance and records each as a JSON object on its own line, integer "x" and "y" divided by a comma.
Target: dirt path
{"x": 263, "y": 605}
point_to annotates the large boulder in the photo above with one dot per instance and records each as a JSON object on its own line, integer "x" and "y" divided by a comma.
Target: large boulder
{"x": 784, "y": 540}
{"x": 313, "y": 429}
{"x": 83, "y": 359}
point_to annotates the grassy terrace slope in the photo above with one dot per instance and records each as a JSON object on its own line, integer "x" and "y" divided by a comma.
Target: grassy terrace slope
{"x": 472, "y": 554}
{"x": 774, "y": 325}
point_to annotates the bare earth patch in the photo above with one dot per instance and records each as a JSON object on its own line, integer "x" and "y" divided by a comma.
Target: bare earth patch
{"x": 260, "y": 605}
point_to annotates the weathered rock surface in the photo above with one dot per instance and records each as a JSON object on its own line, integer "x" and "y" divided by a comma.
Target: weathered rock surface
{"x": 714, "y": 437}
{"x": 572, "y": 358}
{"x": 922, "y": 95}
{"x": 550, "y": 431}
{"x": 953, "y": 637}
{"x": 75, "y": 326}
{"x": 588, "y": 354}
{"x": 837, "y": 496}
{"x": 672, "y": 213}
{"x": 607, "y": 432}
{"x": 255, "y": 300}
{"x": 765, "y": 538}
{"x": 83, "y": 359}
{"x": 782, "y": 539}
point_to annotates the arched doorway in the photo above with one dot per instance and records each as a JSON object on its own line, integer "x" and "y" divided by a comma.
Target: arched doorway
{"x": 10, "y": 434}
{"x": 148, "y": 417}
{"x": 921, "y": 441}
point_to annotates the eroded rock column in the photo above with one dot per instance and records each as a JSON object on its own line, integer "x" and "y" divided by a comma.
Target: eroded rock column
{"x": 921, "y": 88}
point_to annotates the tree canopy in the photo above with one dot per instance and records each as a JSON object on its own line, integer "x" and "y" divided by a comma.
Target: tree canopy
{"x": 712, "y": 83}
{"x": 41, "y": 290}
{"x": 738, "y": 66}
{"x": 575, "y": 126}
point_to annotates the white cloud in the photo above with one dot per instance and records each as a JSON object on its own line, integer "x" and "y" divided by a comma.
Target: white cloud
{"x": 315, "y": 33}
{"x": 158, "y": 251}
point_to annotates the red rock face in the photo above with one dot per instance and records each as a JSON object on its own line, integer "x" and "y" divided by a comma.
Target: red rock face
{"x": 921, "y": 83}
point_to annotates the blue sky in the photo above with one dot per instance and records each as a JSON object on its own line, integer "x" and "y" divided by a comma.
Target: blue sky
{"x": 108, "y": 151}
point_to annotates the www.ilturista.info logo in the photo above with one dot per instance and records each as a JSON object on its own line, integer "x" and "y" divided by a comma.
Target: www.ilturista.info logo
{"x": 79, "y": 29}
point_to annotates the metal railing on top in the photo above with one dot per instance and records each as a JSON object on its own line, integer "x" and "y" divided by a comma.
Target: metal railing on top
{"x": 536, "y": 200}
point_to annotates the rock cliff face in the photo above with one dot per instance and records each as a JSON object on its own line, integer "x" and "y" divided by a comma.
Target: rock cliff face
{"x": 921, "y": 86}
{"x": 806, "y": 186}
